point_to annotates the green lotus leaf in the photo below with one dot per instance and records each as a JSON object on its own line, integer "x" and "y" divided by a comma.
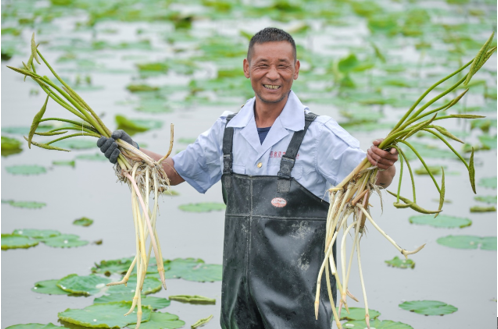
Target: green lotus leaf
{"x": 427, "y": 151}
{"x": 193, "y": 299}
{"x": 156, "y": 66}
{"x": 136, "y": 125}
{"x": 10, "y": 143}
{"x": 488, "y": 182}
{"x": 64, "y": 241}
{"x": 14, "y": 241}
{"x": 160, "y": 320}
{"x": 486, "y": 198}
{"x": 441, "y": 221}
{"x": 83, "y": 221}
{"x": 33, "y": 326}
{"x": 108, "y": 267}
{"x": 26, "y": 170}
{"x": 64, "y": 163}
{"x": 140, "y": 88}
{"x": 180, "y": 266}
{"x": 37, "y": 234}
{"x": 377, "y": 324}
{"x": 155, "y": 303}
{"x": 482, "y": 209}
{"x": 110, "y": 315}
{"x": 154, "y": 105}
{"x": 76, "y": 144}
{"x": 428, "y": 307}
{"x": 202, "y": 207}
{"x": 25, "y": 130}
{"x": 151, "y": 285}
{"x": 400, "y": 263}
{"x": 468, "y": 242}
{"x": 204, "y": 273}
{"x": 92, "y": 157}
{"x": 25, "y": 204}
{"x": 83, "y": 285}
{"x": 483, "y": 124}
{"x": 357, "y": 314}
{"x": 435, "y": 170}
{"x": 488, "y": 141}
{"x": 48, "y": 287}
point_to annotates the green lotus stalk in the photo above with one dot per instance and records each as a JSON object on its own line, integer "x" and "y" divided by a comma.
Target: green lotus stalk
{"x": 351, "y": 195}
{"x": 142, "y": 174}
{"x": 201, "y": 322}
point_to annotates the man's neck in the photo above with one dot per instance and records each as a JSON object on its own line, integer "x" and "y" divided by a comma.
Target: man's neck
{"x": 265, "y": 114}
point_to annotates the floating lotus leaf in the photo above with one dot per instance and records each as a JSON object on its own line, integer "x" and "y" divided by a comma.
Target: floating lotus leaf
{"x": 25, "y": 130}
{"x": 202, "y": 207}
{"x": 468, "y": 242}
{"x": 488, "y": 182}
{"x": 427, "y": 151}
{"x": 108, "y": 267}
{"x": 179, "y": 267}
{"x": 64, "y": 241}
{"x": 48, "y": 287}
{"x": 193, "y": 299}
{"x": 110, "y": 315}
{"x": 153, "y": 105}
{"x": 92, "y": 157}
{"x": 76, "y": 144}
{"x": 82, "y": 285}
{"x": 14, "y": 241}
{"x": 482, "y": 209}
{"x": 486, "y": 198}
{"x": 37, "y": 234}
{"x": 136, "y": 125}
{"x": 151, "y": 285}
{"x": 483, "y": 124}
{"x": 204, "y": 273}
{"x": 26, "y": 170}
{"x": 33, "y": 326}
{"x": 377, "y": 324}
{"x": 155, "y": 303}
{"x": 141, "y": 88}
{"x": 488, "y": 141}
{"x": 160, "y": 320}
{"x": 25, "y": 204}
{"x": 357, "y": 314}
{"x": 428, "y": 307}
{"x": 441, "y": 221}
{"x": 83, "y": 221}
{"x": 435, "y": 170}
{"x": 400, "y": 263}
{"x": 64, "y": 163}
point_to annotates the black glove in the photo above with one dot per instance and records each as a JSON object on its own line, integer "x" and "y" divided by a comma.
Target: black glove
{"x": 109, "y": 147}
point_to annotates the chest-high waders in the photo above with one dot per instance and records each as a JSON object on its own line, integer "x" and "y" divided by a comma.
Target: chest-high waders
{"x": 273, "y": 248}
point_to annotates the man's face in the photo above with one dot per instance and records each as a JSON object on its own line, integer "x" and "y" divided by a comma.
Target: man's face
{"x": 272, "y": 70}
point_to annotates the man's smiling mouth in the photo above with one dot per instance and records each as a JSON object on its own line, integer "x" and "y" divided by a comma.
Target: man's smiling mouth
{"x": 271, "y": 87}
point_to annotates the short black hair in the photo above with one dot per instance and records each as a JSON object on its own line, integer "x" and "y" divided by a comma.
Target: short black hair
{"x": 270, "y": 34}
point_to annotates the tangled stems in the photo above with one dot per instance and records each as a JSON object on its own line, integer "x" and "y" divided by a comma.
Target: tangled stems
{"x": 350, "y": 197}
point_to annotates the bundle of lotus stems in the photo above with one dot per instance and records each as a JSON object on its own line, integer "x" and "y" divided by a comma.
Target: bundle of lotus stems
{"x": 142, "y": 174}
{"x": 351, "y": 196}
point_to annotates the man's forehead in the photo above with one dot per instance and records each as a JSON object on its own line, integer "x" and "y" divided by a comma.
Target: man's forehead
{"x": 274, "y": 50}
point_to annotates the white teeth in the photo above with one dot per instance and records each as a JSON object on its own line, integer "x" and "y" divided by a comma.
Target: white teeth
{"x": 271, "y": 86}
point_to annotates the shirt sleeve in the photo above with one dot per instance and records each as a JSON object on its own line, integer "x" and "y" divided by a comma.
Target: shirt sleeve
{"x": 201, "y": 163}
{"x": 338, "y": 153}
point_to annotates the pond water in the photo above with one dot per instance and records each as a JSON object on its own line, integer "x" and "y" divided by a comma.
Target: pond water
{"x": 466, "y": 279}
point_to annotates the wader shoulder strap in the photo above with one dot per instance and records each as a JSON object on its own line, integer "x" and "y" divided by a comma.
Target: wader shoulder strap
{"x": 227, "y": 146}
{"x": 289, "y": 159}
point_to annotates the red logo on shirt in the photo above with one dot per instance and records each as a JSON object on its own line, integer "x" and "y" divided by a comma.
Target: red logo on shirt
{"x": 279, "y": 154}
{"x": 279, "y": 202}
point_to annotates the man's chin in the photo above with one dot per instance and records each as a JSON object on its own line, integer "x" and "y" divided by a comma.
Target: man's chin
{"x": 271, "y": 100}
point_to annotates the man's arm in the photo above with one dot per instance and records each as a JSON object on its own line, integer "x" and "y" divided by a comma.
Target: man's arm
{"x": 168, "y": 166}
{"x": 384, "y": 160}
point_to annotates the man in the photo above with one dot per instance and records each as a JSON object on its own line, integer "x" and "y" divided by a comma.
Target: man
{"x": 276, "y": 161}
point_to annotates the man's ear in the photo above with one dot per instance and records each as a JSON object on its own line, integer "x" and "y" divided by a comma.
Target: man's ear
{"x": 296, "y": 66}
{"x": 246, "y": 68}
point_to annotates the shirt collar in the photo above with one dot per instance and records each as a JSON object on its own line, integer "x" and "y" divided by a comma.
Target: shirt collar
{"x": 291, "y": 117}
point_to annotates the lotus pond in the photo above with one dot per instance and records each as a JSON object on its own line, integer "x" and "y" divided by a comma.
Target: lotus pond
{"x": 67, "y": 228}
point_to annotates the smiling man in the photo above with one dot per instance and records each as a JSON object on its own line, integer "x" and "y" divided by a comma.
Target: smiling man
{"x": 276, "y": 160}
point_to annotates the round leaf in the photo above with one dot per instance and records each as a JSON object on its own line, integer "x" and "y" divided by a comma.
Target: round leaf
{"x": 48, "y": 287}
{"x": 377, "y": 324}
{"x": 150, "y": 286}
{"x": 64, "y": 241}
{"x": 36, "y": 234}
{"x": 107, "y": 267}
{"x": 92, "y": 157}
{"x": 204, "y": 272}
{"x": 179, "y": 267}
{"x": 26, "y": 170}
{"x": 202, "y": 207}
{"x": 33, "y": 326}
{"x": 486, "y": 198}
{"x": 468, "y": 242}
{"x": 83, "y": 221}
{"x": 76, "y": 144}
{"x": 82, "y": 285}
{"x": 10, "y": 143}
{"x": 428, "y": 307}
{"x": 160, "y": 320}
{"x": 357, "y": 314}
{"x": 155, "y": 303}
{"x": 110, "y": 315}
{"x": 488, "y": 182}
{"x": 441, "y": 221}
{"x": 400, "y": 263}
{"x": 488, "y": 243}
{"x": 14, "y": 241}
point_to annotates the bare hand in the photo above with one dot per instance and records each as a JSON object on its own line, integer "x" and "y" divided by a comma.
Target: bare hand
{"x": 380, "y": 158}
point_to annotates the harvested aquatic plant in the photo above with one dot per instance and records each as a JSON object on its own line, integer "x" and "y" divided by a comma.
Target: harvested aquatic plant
{"x": 142, "y": 174}
{"x": 351, "y": 196}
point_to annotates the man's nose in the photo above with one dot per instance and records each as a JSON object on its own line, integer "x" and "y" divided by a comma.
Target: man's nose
{"x": 272, "y": 73}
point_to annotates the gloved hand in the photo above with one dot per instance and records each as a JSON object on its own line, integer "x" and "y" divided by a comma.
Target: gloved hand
{"x": 109, "y": 147}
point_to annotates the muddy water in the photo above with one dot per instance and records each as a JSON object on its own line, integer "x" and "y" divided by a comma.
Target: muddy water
{"x": 463, "y": 278}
